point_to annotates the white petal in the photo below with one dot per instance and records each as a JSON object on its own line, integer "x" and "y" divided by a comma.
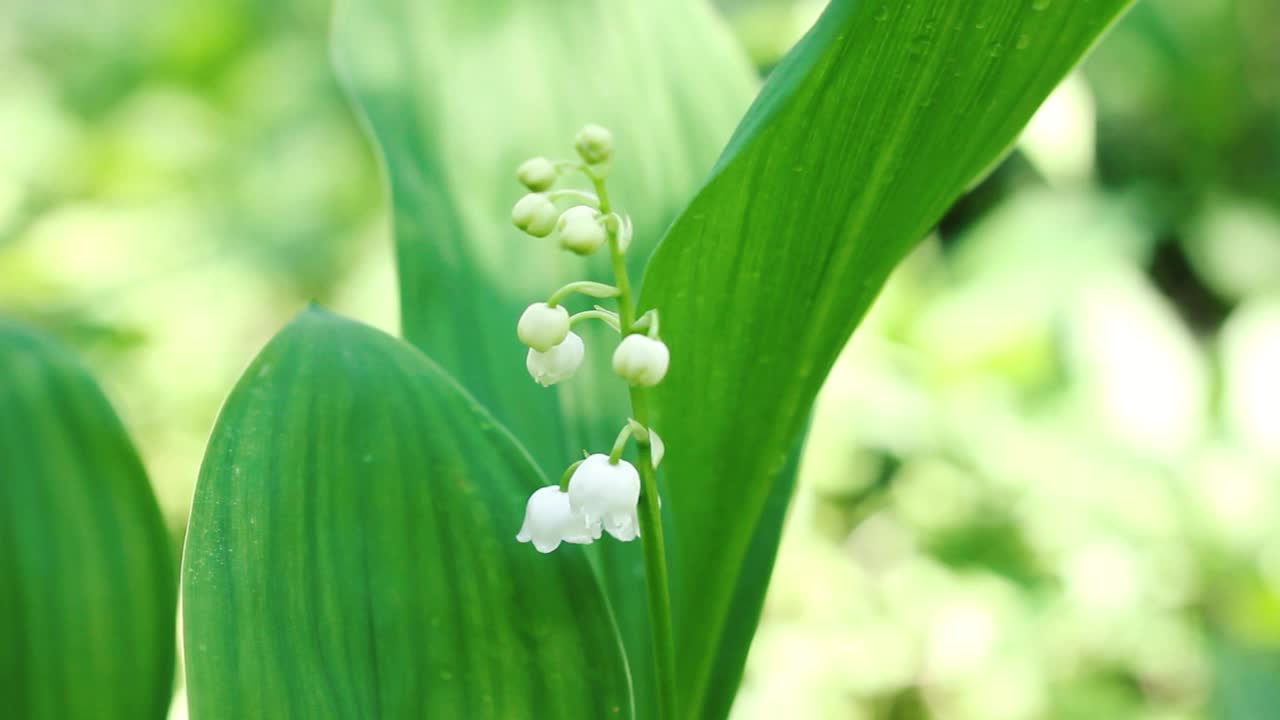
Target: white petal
{"x": 557, "y": 364}
{"x": 605, "y": 493}
{"x": 548, "y": 520}
{"x": 546, "y": 546}
{"x": 625, "y": 526}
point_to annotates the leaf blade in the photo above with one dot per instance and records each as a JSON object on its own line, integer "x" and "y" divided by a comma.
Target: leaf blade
{"x": 767, "y": 272}
{"x": 456, "y": 94}
{"x": 352, "y": 554}
{"x": 87, "y": 597}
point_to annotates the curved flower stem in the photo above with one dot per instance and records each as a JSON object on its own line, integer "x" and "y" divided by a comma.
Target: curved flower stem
{"x": 620, "y": 444}
{"x": 605, "y": 316}
{"x": 586, "y": 287}
{"x": 583, "y": 197}
{"x": 651, "y": 541}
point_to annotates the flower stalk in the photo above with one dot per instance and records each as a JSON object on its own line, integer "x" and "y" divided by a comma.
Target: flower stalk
{"x": 656, "y": 577}
{"x": 601, "y": 493}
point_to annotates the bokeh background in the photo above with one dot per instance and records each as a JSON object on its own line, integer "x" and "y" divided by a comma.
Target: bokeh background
{"x": 1043, "y": 480}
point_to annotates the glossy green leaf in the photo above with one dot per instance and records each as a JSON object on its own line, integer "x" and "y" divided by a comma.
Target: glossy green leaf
{"x": 352, "y": 553}
{"x": 862, "y": 137}
{"x": 456, "y": 94}
{"x": 87, "y": 583}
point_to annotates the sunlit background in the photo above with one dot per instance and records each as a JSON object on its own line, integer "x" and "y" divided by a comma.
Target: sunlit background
{"x": 1043, "y": 480}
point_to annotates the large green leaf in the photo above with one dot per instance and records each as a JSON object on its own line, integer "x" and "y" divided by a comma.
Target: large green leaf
{"x": 863, "y": 136}
{"x": 457, "y": 93}
{"x": 87, "y": 586}
{"x": 351, "y": 552}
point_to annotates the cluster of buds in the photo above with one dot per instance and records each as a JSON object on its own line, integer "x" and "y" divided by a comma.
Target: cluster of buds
{"x": 599, "y": 493}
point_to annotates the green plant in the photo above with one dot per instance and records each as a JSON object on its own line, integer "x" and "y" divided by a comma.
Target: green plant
{"x": 87, "y": 602}
{"x": 352, "y": 549}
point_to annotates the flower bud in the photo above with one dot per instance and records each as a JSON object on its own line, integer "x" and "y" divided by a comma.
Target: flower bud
{"x": 580, "y": 230}
{"x": 535, "y": 214}
{"x": 641, "y": 360}
{"x": 594, "y": 144}
{"x": 557, "y": 364}
{"x": 537, "y": 174}
{"x": 542, "y": 326}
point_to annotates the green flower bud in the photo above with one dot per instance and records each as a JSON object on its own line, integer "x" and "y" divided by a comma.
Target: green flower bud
{"x": 537, "y": 174}
{"x": 594, "y": 144}
{"x": 535, "y": 214}
{"x": 542, "y": 326}
{"x": 581, "y": 231}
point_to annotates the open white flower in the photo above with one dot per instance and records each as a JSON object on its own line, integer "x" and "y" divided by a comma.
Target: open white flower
{"x": 557, "y": 364}
{"x": 550, "y": 520}
{"x": 542, "y": 326}
{"x": 606, "y": 494}
{"x": 641, "y": 360}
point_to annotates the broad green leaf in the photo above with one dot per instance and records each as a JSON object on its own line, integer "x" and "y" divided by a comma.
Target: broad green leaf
{"x": 869, "y": 129}
{"x": 352, "y": 553}
{"x": 87, "y": 583}
{"x": 456, "y": 94}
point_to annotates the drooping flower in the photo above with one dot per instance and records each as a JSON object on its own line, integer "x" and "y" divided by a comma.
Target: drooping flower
{"x": 581, "y": 231}
{"x": 606, "y": 494}
{"x": 542, "y": 326}
{"x": 558, "y": 363}
{"x": 550, "y": 520}
{"x": 641, "y": 360}
{"x": 535, "y": 214}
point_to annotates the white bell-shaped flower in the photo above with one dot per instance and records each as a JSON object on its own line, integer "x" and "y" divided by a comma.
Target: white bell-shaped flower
{"x": 549, "y": 520}
{"x": 581, "y": 231}
{"x": 606, "y": 494}
{"x": 542, "y": 326}
{"x": 557, "y": 364}
{"x": 535, "y": 214}
{"x": 537, "y": 174}
{"x": 641, "y": 360}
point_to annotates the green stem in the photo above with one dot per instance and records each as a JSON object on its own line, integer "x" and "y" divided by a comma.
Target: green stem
{"x": 586, "y": 287}
{"x": 568, "y": 473}
{"x": 584, "y": 197}
{"x": 609, "y": 318}
{"x": 651, "y": 540}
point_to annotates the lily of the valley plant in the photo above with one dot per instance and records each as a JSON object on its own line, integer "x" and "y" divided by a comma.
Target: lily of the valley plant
{"x": 603, "y": 492}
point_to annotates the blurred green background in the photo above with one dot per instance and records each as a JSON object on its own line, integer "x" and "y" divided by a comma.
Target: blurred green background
{"x": 1043, "y": 481}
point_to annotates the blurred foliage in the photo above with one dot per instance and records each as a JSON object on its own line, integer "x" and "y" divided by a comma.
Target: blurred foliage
{"x": 1043, "y": 482}
{"x": 176, "y": 180}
